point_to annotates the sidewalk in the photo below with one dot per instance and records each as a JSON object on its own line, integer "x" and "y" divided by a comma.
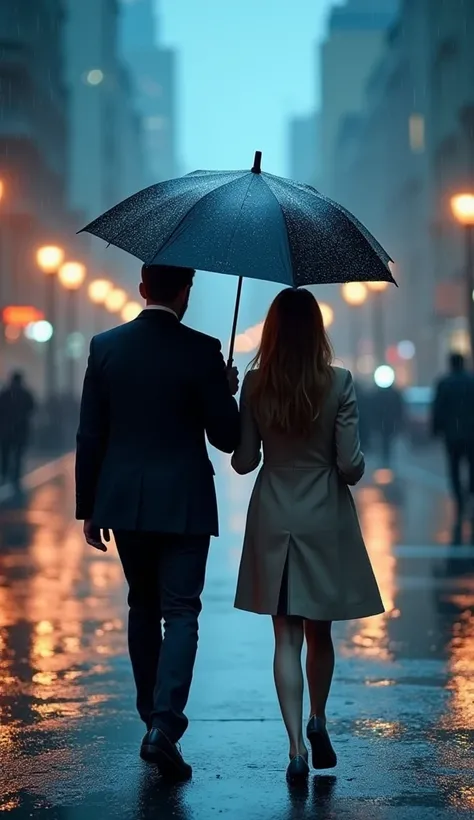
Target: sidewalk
{"x": 400, "y": 712}
{"x": 39, "y": 469}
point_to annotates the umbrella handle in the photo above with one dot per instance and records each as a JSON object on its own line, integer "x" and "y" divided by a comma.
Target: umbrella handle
{"x": 230, "y": 360}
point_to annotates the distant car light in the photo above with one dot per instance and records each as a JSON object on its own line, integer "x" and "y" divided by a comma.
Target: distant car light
{"x": 39, "y": 331}
{"x": 406, "y": 350}
{"x": 384, "y": 376}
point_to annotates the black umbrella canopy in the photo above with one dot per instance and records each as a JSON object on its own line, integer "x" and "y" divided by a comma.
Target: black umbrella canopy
{"x": 245, "y": 223}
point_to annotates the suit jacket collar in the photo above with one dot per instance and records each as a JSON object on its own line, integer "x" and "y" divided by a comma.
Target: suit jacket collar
{"x": 158, "y": 316}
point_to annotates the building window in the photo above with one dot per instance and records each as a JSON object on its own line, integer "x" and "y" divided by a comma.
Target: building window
{"x": 416, "y": 132}
{"x": 150, "y": 87}
{"x": 154, "y": 123}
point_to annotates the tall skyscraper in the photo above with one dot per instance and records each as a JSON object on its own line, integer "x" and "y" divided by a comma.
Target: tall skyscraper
{"x": 304, "y": 154}
{"x": 153, "y": 67}
{"x": 106, "y": 150}
{"x": 354, "y": 45}
{"x": 33, "y": 161}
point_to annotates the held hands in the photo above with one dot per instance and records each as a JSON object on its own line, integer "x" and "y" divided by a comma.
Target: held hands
{"x": 233, "y": 379}
{"x": 92, "y": 536}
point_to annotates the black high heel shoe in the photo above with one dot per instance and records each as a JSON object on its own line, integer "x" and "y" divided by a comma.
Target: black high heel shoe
{"x": 298, "y": 769}
{"x": 324, "y": 756}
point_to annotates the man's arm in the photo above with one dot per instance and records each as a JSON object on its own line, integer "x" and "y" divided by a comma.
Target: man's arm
{"x": 91, "y": 438}
{"x": 220, "y": 411}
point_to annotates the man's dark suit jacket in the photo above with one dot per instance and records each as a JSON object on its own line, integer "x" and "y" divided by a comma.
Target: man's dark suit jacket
{"x": 152, "y": 391}
{"x": 453, "y": 408}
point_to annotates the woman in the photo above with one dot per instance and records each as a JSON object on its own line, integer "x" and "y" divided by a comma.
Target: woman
{"x": 304, "y": 560}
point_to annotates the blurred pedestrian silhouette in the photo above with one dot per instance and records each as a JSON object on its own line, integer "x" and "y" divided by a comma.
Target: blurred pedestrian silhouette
{"x": 387, "y": 416}
{"x": 17, "y": 407}
{"x": 365, "y": 415}
{"x": 452, "y": 421}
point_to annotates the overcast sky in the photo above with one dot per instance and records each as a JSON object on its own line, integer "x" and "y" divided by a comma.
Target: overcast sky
{"x": 245, "y": 66}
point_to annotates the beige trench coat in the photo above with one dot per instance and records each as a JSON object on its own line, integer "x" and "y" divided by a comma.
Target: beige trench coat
{"x": 302, "y": 515}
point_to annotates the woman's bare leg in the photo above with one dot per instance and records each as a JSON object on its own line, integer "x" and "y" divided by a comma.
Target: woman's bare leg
{"x": 288, "y": 675}
{"x": 319, "y": 664}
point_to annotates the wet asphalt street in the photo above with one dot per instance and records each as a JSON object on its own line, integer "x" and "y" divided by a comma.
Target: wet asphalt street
{"x": 401, "y": 712}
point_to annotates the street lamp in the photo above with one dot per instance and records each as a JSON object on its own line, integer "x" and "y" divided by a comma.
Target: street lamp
{"x": 97, "y": 292}
{"x": 115, "y": 300}
{"x": 49, "y": 259}
{"x": 130, "y": 311}
{"x": 378, "y": 334}
{"x": 355, "y": 295}
{"x": 327, "y": 314}
{"x": 2, "y": 328}
{"x": 462, "y": 206}
{"x": 71, "y": 275}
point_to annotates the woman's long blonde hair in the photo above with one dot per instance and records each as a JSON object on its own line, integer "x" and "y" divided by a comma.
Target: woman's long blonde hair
{"x": 292, "y": 366}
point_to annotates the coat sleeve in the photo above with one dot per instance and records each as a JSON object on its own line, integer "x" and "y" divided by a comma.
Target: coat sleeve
{"x": 92, "y": 436}
{"x": 248, "y": 454}
{"x": 349, "y": 456}
{"x": 220, "y": 410}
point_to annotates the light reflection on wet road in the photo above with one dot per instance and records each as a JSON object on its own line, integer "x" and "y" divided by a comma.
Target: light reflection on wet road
{"x": 401, "y": 711}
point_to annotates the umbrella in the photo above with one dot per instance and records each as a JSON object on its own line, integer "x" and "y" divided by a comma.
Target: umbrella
{"x": 247, "y": 224}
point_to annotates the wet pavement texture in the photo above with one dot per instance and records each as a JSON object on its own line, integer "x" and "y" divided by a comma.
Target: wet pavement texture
{"x": 401, "y": 712}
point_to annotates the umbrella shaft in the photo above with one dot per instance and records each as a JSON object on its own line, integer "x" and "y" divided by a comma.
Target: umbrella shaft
{"x": 234, "y": 323}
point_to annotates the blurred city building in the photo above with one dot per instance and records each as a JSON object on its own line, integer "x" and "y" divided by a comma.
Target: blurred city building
{"x": 304, "y": 149}
{"x": 153, "y": 67}
{"x": 400, "y": 158}
{"x": 34, "y": 133}
{"x": 354, "y": 45}
{"x": 106, "y": 148}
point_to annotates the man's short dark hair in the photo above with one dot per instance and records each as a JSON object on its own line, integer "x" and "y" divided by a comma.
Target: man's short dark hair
{"x": 456, "y": 361}
{"x": 164, "y": 283}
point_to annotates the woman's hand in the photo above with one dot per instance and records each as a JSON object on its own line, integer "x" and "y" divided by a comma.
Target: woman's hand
{"x": 233, "y": 379}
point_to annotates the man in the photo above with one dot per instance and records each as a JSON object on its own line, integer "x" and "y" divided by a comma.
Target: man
{"x": 16, "y": 412}
{"x": 387, "y": 414}
{"x": 153, "y": 389}
{"x": 453, "y": 421}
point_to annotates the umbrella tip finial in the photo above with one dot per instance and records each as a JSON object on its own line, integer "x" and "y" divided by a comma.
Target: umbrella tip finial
{"x": 257, "y": 163}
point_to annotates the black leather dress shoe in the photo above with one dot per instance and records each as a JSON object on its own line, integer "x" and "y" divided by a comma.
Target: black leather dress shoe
{"x": 324, "y": 756}
{"x": 157, "y": 748}
{"x": 298, "y": 769}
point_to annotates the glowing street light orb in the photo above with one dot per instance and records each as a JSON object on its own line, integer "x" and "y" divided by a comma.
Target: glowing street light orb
{"x": 354, "y": 293}
{"x": 327, "y": 314}
{"x": 39, "y": 331}
{"x": 115, "y": 300}
{"x": 72, "y": 275}
{"x": 377, "y": 287}
{"x": 406, "y": 350}
{"x": 95, "y": 76}
{"x": 98, "y": 291}
{"x": 49, "y": 258}
{"x": 2, "y": 189}
{"x": 384, "y": 376}
{"x": 130, "y": 311}
{"x": 462, "y": 207}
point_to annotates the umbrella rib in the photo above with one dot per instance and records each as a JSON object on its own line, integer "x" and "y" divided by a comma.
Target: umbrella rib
{"x": 183, "y": 218}
{"x": 284, "y": 220}
{"x": 237, "y": 219}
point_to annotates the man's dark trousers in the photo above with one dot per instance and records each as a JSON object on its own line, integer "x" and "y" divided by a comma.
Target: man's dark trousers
{"x": 165, "y": 574}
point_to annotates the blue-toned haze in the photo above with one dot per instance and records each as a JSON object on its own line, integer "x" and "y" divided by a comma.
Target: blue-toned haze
{"x": 245, "y": 67}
